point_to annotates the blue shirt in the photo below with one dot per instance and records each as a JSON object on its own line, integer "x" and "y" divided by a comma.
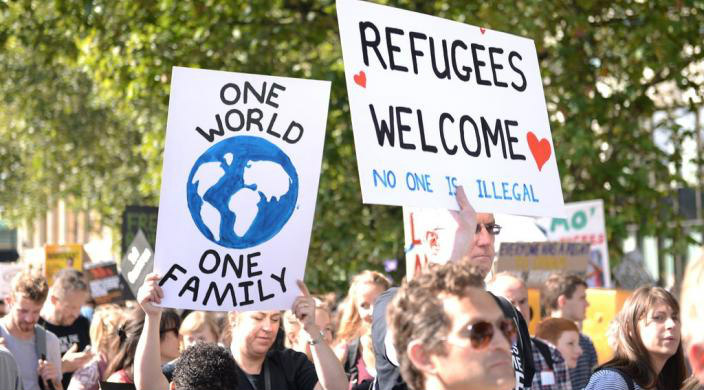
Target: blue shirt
{"x": 605, "y": 379}
{"x": 585, "y": 364}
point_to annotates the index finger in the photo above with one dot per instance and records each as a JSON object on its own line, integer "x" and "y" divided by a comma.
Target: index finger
{"x": 462, "y": 200}
{"x": 303, "y": 288}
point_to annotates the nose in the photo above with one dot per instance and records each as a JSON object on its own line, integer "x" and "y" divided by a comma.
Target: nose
{"x": 267, "y": 324}
{"x": 483, "y": 237}
{"x": 499, "y": 341}
{"x": 670, "y": 323}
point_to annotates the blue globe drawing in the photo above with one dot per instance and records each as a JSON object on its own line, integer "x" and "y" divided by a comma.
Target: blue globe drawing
{"x": 242, "y": 191}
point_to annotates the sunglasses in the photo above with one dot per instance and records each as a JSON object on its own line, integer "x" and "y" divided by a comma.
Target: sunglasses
{"x": 492, "y": 228}
{"x": 481, "y": 333}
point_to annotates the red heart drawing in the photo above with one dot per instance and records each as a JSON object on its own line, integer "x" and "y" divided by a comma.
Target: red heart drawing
{"x": 540, "y": 149}
{"x": 482, "y": 29}
{"x": 361, "y": 79}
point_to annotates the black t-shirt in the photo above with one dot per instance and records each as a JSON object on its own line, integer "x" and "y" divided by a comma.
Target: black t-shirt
{"x": 288, "y": 370}
{"x": 76, "y": 333}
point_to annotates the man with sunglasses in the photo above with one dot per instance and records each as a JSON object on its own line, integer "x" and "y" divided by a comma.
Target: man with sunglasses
{"x": 450, "y": 333}
{"x": 473, "y": 247}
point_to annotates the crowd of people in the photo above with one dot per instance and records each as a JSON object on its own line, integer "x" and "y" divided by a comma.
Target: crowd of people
{"x": 454, "y": 326}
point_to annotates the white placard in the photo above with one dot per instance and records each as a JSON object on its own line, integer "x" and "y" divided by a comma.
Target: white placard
{"x": 437, "y": 103}
{"x": 239, "y": 183}
{"x": 584, "y": 222}
{"x": 7, "y": 272}
{"x": 429, "y": 238}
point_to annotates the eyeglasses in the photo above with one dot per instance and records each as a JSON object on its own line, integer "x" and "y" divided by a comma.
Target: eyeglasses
{"x": 481, "y": 333}
{"x": 492, "y": 228}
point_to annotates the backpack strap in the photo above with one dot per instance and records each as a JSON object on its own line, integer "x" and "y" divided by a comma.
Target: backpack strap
{"x": 523, "y": 343}
{"x": 39, "y": 341}
{"x": 626, "y": 378}
{"x": 351, "y": 361}
{"x": 544, "y": 350}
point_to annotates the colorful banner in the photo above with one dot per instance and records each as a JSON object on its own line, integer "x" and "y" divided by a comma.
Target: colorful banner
{"x": 436, "y": 104}
{"x": 429, "y": 238}
{"x": 542, "y": 256}
{"x": 584, "y": 222}
{"x": 106, "y": 284}
{"x": 60, "y": 256}
{"x": 239, "y": 184}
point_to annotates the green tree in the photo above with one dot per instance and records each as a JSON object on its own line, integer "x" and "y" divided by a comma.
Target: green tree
{"x": 85, "y": 85}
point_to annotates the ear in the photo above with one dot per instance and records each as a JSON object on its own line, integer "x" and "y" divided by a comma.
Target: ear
{"x": 172, "y": 386}
{"x": 420, "y": 358}
{"x": 695, "y": 353}
{"x": 561, "y": 300}
{"x": 53, "y": 299}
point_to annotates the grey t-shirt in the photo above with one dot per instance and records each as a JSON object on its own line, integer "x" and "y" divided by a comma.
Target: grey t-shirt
{"x": 26, "y": 356}
{"x": 9, "y": 374}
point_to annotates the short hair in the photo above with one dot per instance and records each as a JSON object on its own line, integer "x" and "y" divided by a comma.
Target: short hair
{"x": 558, "y": 283}
{"x": 551, "y": 329}
{"x": 70, "y": 280}
{"x": 417, "y": 312}
{"x": 198, "y": 321}
{"x": 205, "y": 366}
{"x": 691, "y": 293}
{"x": 30, "y": 284}
{"x": 170, "y": 321}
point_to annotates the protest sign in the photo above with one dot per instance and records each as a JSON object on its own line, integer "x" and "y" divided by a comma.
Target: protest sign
{"x": 7, "y": 272}
{"x": 584, "y": 222}
{"x": 542, "y": 256}
{"x": 137, "y": 262}
{"x": 239, "y": 183}
{"x": 429, "y": 238}
{"x": 60, "y": 256}
{"x": 106, "y": 284}
{"x": 436, "y": 104}
{"x": 135, "y": 218}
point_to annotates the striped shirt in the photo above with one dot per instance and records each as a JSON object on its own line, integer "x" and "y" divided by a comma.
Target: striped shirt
{"x": 605, "y": 379}
{"x": 585, "y": 364}
{"x": 559, "y": 378}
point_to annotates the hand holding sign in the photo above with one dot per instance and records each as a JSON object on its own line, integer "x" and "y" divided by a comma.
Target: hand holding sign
{"x": 304, "y": 308}
{"x": 466, "y": 226}
{"x": 150, "y": 295}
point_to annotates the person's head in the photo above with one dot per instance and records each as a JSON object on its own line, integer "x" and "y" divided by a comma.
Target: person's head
{"x": 450, "y": 333}
{"x": 103, "y": 328}
{"x": 198, "y": 326}
{"x": 27, "y": 296}
{"x": 564, "y": 335}
{"x": 205, "y": 366}
{"x": 168, "y": 335}
{"x": 565, "y": 295}
{"x": 481, "y": 253}
{"x": 253, "y": 332}
{"x": 128, "y": 333}
{"x": 66, "y": 297}
{"x": 693, "y": 317}
{"x": 648, "y": 332}
{"x": 357, "y": 308}
{"x": 292, "y": 328}
{"x": 512, "y": 288}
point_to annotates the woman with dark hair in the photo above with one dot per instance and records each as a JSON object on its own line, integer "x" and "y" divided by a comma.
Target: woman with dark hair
{"x": 648, "y": 350}
{"x": 120, "y": 369}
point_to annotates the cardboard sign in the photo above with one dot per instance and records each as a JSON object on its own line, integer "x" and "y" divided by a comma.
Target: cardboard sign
{"x": 436, "y": 104}
{"x": 137, "y": 262}
{"x": 542, "y": 256}
{"x": 584, "y": 222}
{"x": 239, "y": 183}
{"x": 429, "y": 238}
{"x": 62, "y": 256}
{"x": 106, "y": 283}
{"x": 135, "y": 218}
{"x": 7, "y": 272}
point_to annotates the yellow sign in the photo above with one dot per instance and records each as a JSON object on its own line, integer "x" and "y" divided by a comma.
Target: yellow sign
{"x": 545, "y": 256}
{"x": 59, "y": 257}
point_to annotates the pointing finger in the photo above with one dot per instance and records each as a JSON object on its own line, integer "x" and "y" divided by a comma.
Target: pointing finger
{"x": 303, "y": 288}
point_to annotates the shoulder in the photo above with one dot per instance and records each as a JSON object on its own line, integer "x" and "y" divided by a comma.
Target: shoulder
{"x": 606, "y": 379}
{"x": 51, "y": 338}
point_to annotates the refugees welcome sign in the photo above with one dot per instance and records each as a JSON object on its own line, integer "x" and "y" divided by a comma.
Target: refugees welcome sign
{"x": 239, "y": 184}
{"x": 436, "y": 104}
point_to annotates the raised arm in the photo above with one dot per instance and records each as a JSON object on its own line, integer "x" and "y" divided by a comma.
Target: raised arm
{"x": 331, "y": 374}
{"x": 147, "y": 360}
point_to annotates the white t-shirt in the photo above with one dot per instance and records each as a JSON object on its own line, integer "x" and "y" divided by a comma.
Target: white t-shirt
{"x": 26, "y": 356}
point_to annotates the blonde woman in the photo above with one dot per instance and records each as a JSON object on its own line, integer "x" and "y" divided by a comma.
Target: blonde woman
{"x": 198, "y": 326}
{"x": 354, "y": 344}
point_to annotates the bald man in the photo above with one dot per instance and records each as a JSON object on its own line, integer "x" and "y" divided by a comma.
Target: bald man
{"x": 551, "y": 371}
